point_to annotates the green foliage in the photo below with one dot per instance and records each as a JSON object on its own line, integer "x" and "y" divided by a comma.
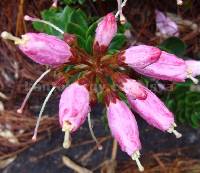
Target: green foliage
{"x": 69, "y": 2}
{"x": 119, "y": 40}
{"x": 173, "y": 45}
{"x": 75, "y": 21}
{"x": 185, "y": 103}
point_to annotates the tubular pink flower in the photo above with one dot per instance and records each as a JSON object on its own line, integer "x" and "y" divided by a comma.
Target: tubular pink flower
{"x": 74, "y": 105}
{"x": 45, "y": 49}
{"x": 165, "y": 25}
{"x": 139, "y": 56}
{"x": 123, "y": 127}
{"x": 153, "y": 110}
{"x": 105, "y": 32}
{"x": 73, "y": 109}
{"x": 133, "y": 88}
{"x": 130, "y": 87}
{"x": 168, "y": 67}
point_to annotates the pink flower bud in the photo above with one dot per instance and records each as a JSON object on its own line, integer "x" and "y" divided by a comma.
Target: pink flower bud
{"x": 123, "y": 126}
{"x": 153, "y": 110}
{"x": 130, "y": 87}
{"x": 105, "y": 32}
{"x": 168, "y": 67}
{"x": 74, "y": 106}
{"x": 165, "y": 25}
{"x": 139, "y": 56}
{"x": 193, "y": 67}
{"x": 45, "y": 49}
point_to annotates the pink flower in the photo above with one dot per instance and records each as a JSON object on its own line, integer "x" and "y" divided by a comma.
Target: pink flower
{"x": 139, "y": 56}
{"x": 105, "y": 32}
{"x": 45, "y": 49}
{"x": 74, "y": 105}
{"x": 166, "y": 25}
{"x": 153, "y": 110}
{"x": 168, "y": 67}
{"x": 73, "y": 109}
{"x": 130, "y": 87}
{"x": 124, "y": 127}
{"x": 193, "y": 67}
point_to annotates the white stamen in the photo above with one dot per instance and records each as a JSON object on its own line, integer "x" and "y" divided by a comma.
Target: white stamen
{"x": 40, "y": 114}
{"x": 67, "y": 128}
{"x": 196, "y": 81}
{"x": 176, "y": 133}
{"x": 28, "y": 18}
{"x": 179, "y": 2}
{"x": 136, "y": 157}
{"x": 100, "y": 147}
{"x": 174, "y": 124}
{"x": 67, "y": 140}
{"x": 9, "y": 36}
{"x": 120, "y": 6}
{"x": 20, "y": 110}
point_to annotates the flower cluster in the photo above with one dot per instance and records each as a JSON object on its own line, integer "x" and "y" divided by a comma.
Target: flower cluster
{"x": 77, "y": 98}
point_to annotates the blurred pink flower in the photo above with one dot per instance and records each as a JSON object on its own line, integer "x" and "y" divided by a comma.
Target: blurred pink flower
{"x": 166, "y": 25}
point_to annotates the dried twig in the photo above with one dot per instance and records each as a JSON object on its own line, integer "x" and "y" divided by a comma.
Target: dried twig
{"x": 69, "y": 163}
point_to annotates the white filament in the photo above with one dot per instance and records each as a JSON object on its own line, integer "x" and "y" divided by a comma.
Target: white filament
{"x": 20, "y": 110}
{"x": 28, "y": 18}
{"x": 175, "y": 132}
{"x": 92, "y": 133}
{"x": 9, "y": 36}
{"x": 120, "y": 6}
{"x": 67, "y": 139}
{"x": 40, "y": 114}
{"x": 194, "y": 80}
{"x": 67, "y": 128}
{"x": 136, "y": 157}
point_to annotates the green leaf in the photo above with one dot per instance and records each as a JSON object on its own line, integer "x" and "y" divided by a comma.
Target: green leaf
{"x": 195, "y": 118}
{"x": 173, "y": 45}
{"x": 58, "y": 17}
{"x": 81, "y": 42}
{"x": 74, "y": 28}
{"x": 89, "y": 43}
{"x": 185, "y": 104}
{"x": 123, "y": 28}
{"x": 91, "y": 29}
{"x": 80, "y": 18}
{"x": 118, "y": 41}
